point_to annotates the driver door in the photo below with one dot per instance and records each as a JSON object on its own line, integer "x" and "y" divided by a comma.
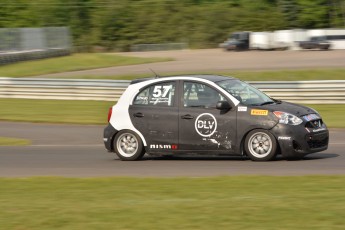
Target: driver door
{"x": 202, "y": 127}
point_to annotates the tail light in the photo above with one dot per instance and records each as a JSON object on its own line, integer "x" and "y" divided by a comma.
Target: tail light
{"x": 109, "y": 113}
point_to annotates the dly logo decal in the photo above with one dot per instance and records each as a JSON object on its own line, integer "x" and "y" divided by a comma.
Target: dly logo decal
{"x": 205, "y": 124}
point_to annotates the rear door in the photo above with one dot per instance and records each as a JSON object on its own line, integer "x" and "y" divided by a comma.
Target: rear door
{"x": 154, "y": 113}
{"x": 202, "y": 127}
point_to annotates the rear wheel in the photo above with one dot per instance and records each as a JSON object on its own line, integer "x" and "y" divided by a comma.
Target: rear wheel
{"x": 128, "y": 146}
{"x": 260, "y": 145}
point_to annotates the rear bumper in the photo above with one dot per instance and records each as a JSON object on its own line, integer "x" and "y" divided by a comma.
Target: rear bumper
{"x": 108, "y": 137}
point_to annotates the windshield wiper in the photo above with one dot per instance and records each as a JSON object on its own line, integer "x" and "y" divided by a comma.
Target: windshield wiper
{"x": 267, "y": 103}
{"x": 277, "y": 101}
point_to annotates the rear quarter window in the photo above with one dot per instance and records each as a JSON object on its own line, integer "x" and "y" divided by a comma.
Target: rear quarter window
{"x": 162, "y": 94}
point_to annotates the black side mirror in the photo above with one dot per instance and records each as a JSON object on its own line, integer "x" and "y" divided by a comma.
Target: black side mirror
{"x": 223, "y": 105}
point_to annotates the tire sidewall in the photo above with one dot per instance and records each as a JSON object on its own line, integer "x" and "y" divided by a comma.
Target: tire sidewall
{"x": 140, "y": 150}
{"x": 273, "y": 151}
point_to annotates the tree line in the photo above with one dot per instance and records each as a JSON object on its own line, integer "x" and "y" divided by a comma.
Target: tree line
{"x": 118, "y": 24}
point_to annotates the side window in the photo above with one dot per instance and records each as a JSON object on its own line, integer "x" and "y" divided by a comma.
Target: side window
{"x": 200, "y": 95}
{"x": 162, "y": 94}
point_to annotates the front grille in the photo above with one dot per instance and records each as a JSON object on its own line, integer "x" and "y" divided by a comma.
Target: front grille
{"x": 314, "y": 124}
{"x": 317, "y": 141}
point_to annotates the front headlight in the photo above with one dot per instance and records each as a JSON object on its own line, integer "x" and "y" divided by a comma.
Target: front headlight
{"x": 287, "y": 118}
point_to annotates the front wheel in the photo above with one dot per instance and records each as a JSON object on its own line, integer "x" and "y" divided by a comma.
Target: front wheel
{"x": 260, "y": 145}
{"x": 128, "y": 146}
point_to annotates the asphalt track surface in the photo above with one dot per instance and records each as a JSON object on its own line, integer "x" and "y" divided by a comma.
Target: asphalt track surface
{"x": 77, "y": 151}
{"x": 210, "y": 60}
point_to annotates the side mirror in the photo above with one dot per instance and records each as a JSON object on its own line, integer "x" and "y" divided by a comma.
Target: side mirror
{"x": 223, "y": 105}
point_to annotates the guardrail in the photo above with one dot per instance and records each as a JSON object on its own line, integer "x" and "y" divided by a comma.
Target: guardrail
{"x": 62, "y": 89}
{"x": 312, "y": 92}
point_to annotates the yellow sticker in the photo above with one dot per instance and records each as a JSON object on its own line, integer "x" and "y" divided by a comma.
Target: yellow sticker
{"x": 259, "y": 112}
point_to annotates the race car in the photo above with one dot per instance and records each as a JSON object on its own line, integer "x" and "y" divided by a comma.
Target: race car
{"x": 210, "y": 115}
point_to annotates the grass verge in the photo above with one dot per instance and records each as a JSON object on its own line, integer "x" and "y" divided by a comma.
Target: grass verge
{"x": 71, "y": 63}
{"x": 95, "y": 112}
{"x": 268, "y": 75}
{"x": 55, "y": 111}
{"x": 8, "y": 141}
{"x": 290, "y": 75}
{"x": 244, "y": 202}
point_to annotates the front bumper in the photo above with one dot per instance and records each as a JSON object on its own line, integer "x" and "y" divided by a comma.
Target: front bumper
{"x": 108, "y": 137}
{"x": 298, "y": 141}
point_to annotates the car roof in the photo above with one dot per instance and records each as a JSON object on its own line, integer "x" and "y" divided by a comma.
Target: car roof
{"x": 213, "y": 78}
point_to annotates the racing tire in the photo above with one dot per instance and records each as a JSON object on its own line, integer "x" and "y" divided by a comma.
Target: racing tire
{"x": 128, "y": 146}
{"x": 260, "y": 145}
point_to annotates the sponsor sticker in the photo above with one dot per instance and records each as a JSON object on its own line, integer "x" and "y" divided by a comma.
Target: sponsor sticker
{"x": 259, "y": 112}
{"x": 159, "y": 146}
{"x": 242, "y": 109}
{"x": 319, "y": 130}
{"x": 174, "y": 147}
{"x": 311, "y": 117}
{"x": 284, "y": 138}
{"x": 205, "y": 125}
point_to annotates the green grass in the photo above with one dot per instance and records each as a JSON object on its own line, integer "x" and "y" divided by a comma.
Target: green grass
{"x": 55, "y": 111}
{"x": 244, "y": 202}
{"x": 71, "y": 63}
{"x": 8, "y": 141}
{"x": 95, "y": 112}
{"x": 290, "y": 75}
{"x": 268, "y": 75}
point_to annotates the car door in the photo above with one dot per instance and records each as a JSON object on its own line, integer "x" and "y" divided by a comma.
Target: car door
{"x": 154, "y": 113}
{"x": 203, "y": 127}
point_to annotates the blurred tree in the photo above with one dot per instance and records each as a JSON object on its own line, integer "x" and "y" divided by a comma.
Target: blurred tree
{"x": 313, "y": 14}
{"x": 14, "y": 13}
{"x": 118, "y": 24}
{"x": 337, "y": 13}
{"x": 80, "y": 21}
{"x": 290, "y": 12}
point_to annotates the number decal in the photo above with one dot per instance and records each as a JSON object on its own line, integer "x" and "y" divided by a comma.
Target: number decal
{"x": 157, "y": 91}
{"x": 167, "y": 88}
{"x": 161, "y": 91}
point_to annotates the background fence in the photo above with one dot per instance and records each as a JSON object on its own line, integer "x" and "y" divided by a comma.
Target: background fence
{"x": 20, "y": 44}
{"x": 313, "y": 92}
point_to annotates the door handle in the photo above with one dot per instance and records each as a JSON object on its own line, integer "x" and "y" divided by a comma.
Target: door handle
{"x": 138, "y": 115}
{"x": 187, "y": 116}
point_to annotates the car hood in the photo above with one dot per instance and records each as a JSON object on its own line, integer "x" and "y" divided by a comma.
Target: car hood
{"x": 294, "y": 109}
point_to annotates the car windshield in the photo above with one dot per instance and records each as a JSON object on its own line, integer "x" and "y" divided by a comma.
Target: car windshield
{"x": 245, "y": 93}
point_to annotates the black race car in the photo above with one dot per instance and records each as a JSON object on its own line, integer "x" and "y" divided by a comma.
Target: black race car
{"x": 211, "y": 115}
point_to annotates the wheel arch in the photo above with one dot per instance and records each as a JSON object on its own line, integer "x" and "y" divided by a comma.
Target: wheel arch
{"x": 128, "y": 145}
{"x": 133, "y": 130}
{"x": 242, "y": 149}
